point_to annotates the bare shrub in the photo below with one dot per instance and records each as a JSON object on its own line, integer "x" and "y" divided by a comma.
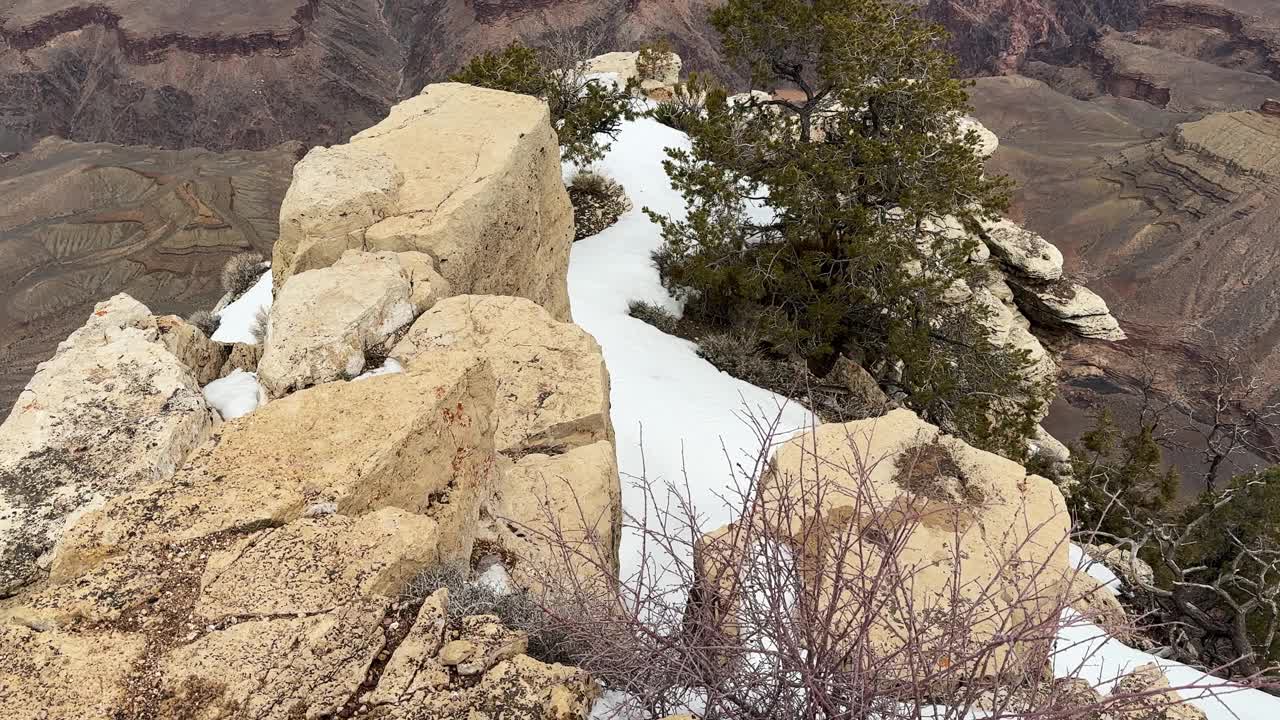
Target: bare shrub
{"x": 206, "y": 321}
{"x": 261, "y": 323}
{"x": 598, "y": 201}
{"x": 516, "y": 610}
{"x": 241, "y": 272}
{"x": 809, "y": 606}
{"x": 655, "y": 315}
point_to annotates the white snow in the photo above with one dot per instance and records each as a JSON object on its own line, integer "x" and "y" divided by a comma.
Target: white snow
{"x": 389, "y": 366}
{"x": 687, "y": 416}
{"x": 235, "y": 395}
{"x": 1085, "y": 650}
{"x": 239, "y": 317}
{"x": 1078, "y": 558}
{"x": 664, "y": 397}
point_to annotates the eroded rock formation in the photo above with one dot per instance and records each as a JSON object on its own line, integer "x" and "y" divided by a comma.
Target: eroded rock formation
{"x": 466, "y": 175}
{"x": 264, "y": 566}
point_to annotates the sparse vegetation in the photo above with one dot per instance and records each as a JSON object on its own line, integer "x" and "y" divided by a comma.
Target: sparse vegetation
{"x": 517, "y": 610}
{"x": 598, "y": 201}
{"x": 688, "y": 101}
{"x": 206, "y": 321}
{"x": 241, "y": 272}
{"x": 653, "y": 62}
{"x": 1213, "y": 597}
{"x": 655, "y": 315}
{"x": 261, "y": 324}
{"x": 555, "y": 70}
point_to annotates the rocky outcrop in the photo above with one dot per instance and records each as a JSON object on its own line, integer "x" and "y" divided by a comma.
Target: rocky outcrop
{"x": 207, "y": 359}
{"x": 416, "y": 441}
{"x": 553, "y": 389}
{"x": 663, "y": 74}
{"x": 466, "y": 175}
{"x": 1068, "y": 305}
{"x": 974, "y": 522}
{"x": 325, "y": 324}
{"x": 574, "y": 498}
{"x": 1023, "y": 251}
{"x": 113, "y": 410}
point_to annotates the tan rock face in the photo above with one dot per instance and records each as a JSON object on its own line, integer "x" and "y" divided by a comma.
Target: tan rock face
{"x": 467, "y": 175}
{"x": 418, "y": 441}
{"x": 208, "y": 360}
{"x": 553, "y": 389}
{"x": 325, "y": 322}
{"x": 975, "y": 524}
{"x": 111, "y": 411}
{"x": 60, "y": 675}
{"x": 1025, "y": 252}
{"x": 576, "y": 494}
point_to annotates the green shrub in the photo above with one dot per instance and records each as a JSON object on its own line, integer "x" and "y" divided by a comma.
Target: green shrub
{"x": 654, "y": 60}
{"x": 688, "y": 100}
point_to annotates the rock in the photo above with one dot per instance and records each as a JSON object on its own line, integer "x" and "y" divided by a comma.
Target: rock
{"x": 1010, "y": 329}
{"x": 467, "y": 175}
{"x": 487, "y": 643}
{"x": 1270, "y": 106}
{"x": 1073, "y": 307}
{"x": 49, "y": 675}
{"x": 553, "y": 388}
{"x": 625, "y": 66}
{"x": 519, "y": 689}
{"x": 953, "y": 501}
{"x": 1150, "y": 698}
{"x": 111, "y": 411}
{"x": 276, "y": 668}
{"x": 207, "y": 359}
{"x": 864, "y": 392}
{"x": 413, "y": 667}
{"x": 1132, "y": 570}
{"x": 1098, "y": 605}
{"x": 1024, "y": 252}
{"x": 987, "y": 140}
{"x": 325, "y": 322}
{"x": 576, "y": 494}
{"x": 312, "y": 566}
{"x": 416, "y": 441}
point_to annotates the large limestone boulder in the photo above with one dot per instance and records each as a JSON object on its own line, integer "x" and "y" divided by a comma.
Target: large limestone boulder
{"x": 420, "y": 441}
{"x": 553, "y": 388}
{"x": 470, "y": 176}
{"x": 966, "y": 529}
{"x": 1024, "y": 252}
{"x": 325, "y": 323}
{"x": 575, "y": 497}
{"x": 111, "y": 411}
{"x": 1072, "y": 307}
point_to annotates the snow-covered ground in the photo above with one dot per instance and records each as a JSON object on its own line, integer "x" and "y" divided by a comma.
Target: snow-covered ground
{"x": 675, "y": 414}
{"x": 670, "y": 407}
{"x": 239, "y": 317}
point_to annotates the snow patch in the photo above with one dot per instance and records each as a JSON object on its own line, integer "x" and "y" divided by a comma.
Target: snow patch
{"x": 235, "y": 395}
{"x": 389, "y": 366}
{"x": 238, "y": 318}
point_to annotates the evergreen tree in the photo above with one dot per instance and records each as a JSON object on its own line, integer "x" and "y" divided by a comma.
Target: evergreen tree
{"x": 823, "y": 214}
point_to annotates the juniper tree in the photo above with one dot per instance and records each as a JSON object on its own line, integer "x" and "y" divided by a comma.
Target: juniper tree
{"x": 862, "y": 166}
